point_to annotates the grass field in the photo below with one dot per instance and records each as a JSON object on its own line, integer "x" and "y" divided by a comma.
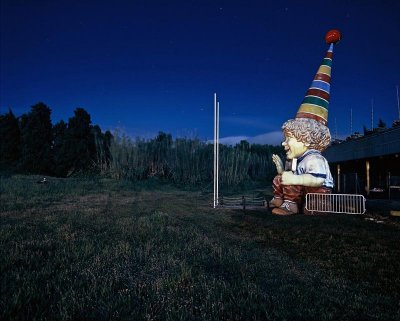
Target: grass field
{"x": 99, "y": 249}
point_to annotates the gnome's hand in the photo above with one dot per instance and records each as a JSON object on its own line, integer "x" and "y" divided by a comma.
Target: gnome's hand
{"x": 288, "y": 178}
{"x": 278, "y": 163}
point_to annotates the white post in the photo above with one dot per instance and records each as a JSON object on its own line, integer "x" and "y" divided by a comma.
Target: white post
{"x": 218, "y": 153}
{"x": 215, "y": 146}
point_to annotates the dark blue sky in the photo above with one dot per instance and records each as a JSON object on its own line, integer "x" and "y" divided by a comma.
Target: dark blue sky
{"x": 149, "y": 66}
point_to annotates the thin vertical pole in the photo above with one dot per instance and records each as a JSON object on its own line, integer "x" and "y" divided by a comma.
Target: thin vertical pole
{"x": 336, "y": 135}
{"x": 351, "y": 121}
{"x": 218, "y": 153}
{"x": 398, "y": 102}
{"x": 215, "y": 147}
{"x": 372, "y": 114}
{"x": 367, "y": 167}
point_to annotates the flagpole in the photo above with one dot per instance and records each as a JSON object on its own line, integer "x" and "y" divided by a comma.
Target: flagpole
{"x": 218, "y": 153}
{"x": 215, "y": 146}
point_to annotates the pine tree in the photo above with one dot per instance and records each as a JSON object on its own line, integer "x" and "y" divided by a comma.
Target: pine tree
{"x": 9, "y": 139}
{"x": 80, "y": 143}
{"x": 36, "y": 140}
{"x": 107, "y": 141}
{"x": 381, "y": 123}
{"x": 59, "y": 149}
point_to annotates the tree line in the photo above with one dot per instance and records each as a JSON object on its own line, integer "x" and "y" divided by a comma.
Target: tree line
{"x": 31, "y": 144}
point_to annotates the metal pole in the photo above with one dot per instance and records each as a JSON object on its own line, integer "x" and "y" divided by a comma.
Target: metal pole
{"x": 218, "y": 153}
{"x": 367, "y": 167}
{"x": 215, "y": 146}
{"x": 398, "y": 102}
{"x": 351, "y": 121}
{"x": 336, "y": 136}
{"x": 372, "y": 114}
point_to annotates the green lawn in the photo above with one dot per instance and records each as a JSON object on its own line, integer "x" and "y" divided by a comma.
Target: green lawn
{"x": 99, "y": 249}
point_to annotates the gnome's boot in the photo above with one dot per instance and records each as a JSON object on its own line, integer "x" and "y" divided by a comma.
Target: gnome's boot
{"x": 276, "y": 202}
{"x": 287, "y": 208}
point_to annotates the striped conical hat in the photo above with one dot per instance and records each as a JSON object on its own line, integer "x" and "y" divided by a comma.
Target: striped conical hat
{"x": 315, "y": 103}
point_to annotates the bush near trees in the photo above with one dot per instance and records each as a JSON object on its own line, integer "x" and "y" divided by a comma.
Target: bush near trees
{"x": 31, "y": 144}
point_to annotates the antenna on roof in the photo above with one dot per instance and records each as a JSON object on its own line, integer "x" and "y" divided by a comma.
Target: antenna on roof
{"x": 372, "y": 114}
{"x": 351, "y": 121}
{"x": 336, "y": 136}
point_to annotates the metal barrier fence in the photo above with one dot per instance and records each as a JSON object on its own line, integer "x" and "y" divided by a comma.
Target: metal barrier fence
{"x": 335, "y": 203}
{"x": 242, "y": 202}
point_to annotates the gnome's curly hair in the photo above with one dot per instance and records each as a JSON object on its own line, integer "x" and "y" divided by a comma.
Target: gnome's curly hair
{"x": 308, "y": 131}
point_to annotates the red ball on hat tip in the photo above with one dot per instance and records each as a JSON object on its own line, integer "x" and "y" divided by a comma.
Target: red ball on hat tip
{"x": 333, "y": 36}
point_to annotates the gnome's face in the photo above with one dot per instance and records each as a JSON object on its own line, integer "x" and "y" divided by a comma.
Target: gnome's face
{"x": 293, "y": 147}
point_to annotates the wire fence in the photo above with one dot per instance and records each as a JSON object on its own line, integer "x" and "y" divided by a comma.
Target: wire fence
{"x": 314, "y": 203}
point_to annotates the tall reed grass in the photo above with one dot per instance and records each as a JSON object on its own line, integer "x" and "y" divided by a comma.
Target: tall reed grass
{"x": 189, "y": 161}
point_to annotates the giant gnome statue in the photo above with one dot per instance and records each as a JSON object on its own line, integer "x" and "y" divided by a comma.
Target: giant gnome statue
{"x": 306, "y": 137}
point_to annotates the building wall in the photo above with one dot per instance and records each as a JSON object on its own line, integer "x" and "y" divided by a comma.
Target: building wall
{"x": 365, "y": 163}
{"x": 378, "y": 144}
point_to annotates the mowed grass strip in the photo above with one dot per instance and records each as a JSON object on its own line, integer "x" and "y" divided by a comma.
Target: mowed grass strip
{"x": 106, "y": 250}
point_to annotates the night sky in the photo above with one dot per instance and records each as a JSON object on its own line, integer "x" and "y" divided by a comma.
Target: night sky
{"x": 150, "y": 66}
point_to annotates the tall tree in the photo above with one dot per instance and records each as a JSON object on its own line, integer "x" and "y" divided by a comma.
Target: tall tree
{"x": 103, "y": 145}
{"x": 36, "y": 140}
{"x": 61, "y": 159}
{"x": 9, "y": 139}
{"x": 107, "y": 141}
{"x": 80, "y": 141}
{"x": 381, "y": 123}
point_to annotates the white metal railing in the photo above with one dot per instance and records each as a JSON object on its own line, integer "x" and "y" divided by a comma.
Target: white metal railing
{"x": 335, "y": 203}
